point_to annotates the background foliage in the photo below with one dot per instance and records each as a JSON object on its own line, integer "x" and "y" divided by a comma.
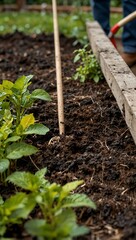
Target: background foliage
{"x": 62, "y": 2}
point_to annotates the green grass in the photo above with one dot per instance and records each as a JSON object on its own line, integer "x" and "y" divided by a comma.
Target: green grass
{"x": 71, "y": 25}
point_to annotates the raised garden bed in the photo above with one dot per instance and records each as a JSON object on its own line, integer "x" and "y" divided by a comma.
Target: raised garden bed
{"x": 97, "y": 148}
{"x": 120, "y": 77}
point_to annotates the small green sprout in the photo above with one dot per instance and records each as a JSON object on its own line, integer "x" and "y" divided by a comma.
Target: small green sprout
{"x": 89, "y": 67}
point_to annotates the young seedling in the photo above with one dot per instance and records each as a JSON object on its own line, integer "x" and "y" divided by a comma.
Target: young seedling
{"x": 15, "y": 124}
{"x": 89, "y": 67}
{"x": 56, "y": 203}
{"x": 19, "y": 96}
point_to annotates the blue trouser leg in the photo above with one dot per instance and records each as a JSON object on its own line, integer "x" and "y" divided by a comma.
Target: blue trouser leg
{"x": 101, "y": 13}
{"x": 129, "y": 31}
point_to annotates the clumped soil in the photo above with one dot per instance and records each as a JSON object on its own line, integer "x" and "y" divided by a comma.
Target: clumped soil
{"x": 97, "y": 146}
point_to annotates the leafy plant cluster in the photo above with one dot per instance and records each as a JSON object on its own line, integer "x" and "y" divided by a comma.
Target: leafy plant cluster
{"x": 56, "y": 219}
{"x": 89, "y": 67}
{"x": 15, "y": 123}
{"x": 55, "y": 202}
{"x": 39, "y": 22}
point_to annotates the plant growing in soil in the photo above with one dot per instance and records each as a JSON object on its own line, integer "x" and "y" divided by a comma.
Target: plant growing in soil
{"x": 13, "y": 210}
{"x": 15, "y": 124}
{"x": 89, "y": 67}
{"x": 55, "y": 202}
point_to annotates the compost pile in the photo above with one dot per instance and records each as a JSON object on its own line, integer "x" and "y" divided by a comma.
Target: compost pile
{"x": 97, "y": 146}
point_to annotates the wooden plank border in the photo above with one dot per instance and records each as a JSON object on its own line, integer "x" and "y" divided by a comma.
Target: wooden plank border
{"x": 118, "y": 75}
{"x": 48, "y": 8}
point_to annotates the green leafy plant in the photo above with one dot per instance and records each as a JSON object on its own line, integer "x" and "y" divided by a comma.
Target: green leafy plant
{"x": 14, "y": 209}
{"x": 89, "y": 67}
{"x": 19, "y": 96}
{"x": 15, "y": 124}
{"x": 56, "y": 203}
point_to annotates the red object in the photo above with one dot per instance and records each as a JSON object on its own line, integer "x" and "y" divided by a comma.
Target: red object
{"x": 115, "y": 28}
{"x": 120, "y": 24}
{"x": 113, "y": 31}
{"x": 113, "y": 41}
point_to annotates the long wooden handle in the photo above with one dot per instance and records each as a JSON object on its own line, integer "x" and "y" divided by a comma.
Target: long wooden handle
{"x": 121, "y": 23}
{"x": 58, "y": 70}
{"x": 127, "y": 19}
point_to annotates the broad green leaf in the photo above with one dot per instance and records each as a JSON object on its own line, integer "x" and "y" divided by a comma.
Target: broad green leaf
{"x": 27, "y": 208}
{"x": 28, "y": 78}
{"x": 96, "y": 78}
{"x": 82, "y": 79}
{"x": 13, "y": 139}
{"x": 65, "y": 222}
{"x": 14, "y": 202}
{"x": 79, "y": 231}
{"x": 18, "y": 206}
{"x": 40, "y": 94}
{"x": 27, "y": 120}
{"x": 41, "y": 173}
{"x": 61, "y": 226}
{"x": 37, "y": 227}
{"x": 26, "y": 101}
{"x": 36, "y": 128}
{"x": 4, "y": 165}
{"x": 2, "y": 231}
{"x": 19, "y": 130}
{"x": 5, "y": 105}
{"x": 7, "y": 84}
{"x": 39, "y": 199}
{"x": 52, "y": 192}
{"x": 78, "y": 200}
{"x": 76, "y": 76}
{"x": 2, "y": 96}
{"x": 1, "y": 200}
{"x": 5, "y": 93}
{"x": 68, "y": 187}
{"x": 67, "y": 226}
{"x": 7, "y": 115}
{"x": 20, "y": 149}
{"x": 22, "y": 82}
{"x": 25, "y": 180}
{"x": 76, "y": 58}
{"x": 5, "y": 129}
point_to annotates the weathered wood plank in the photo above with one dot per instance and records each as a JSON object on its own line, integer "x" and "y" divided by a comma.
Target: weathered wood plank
{"x": 40, "y": 7}
{"x": 118, "y": 75}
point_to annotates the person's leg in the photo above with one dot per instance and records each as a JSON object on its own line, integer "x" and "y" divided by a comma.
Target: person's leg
{"x": 129, "y": 31}
{"x": 101, "y": 13}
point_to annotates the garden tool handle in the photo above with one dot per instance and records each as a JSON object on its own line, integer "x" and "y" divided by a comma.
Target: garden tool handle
{"x": 127, "y": 19}
{"x": 120, "y": 24}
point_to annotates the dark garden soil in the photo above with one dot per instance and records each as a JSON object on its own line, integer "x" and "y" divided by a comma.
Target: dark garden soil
{"x": 97, "y": 147}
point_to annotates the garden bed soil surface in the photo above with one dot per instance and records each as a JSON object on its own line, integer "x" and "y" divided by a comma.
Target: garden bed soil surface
{"x": 97, "y": 146}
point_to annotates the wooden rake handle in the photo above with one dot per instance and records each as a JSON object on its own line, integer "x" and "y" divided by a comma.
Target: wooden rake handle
{"x": 120, "y": 24}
